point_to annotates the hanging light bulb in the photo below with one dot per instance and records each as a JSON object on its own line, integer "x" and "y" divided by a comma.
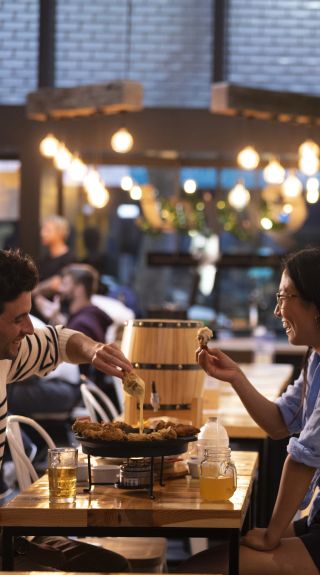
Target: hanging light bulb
{"x": 62, "y": 158}
{"x": 136, "y": 193}
{"x": 48, "y": 146}
{"x": 122, "y": 141}
{"x": 266, "y": 223}
{"x": 309, "y": 164}
{"x": 248, "y": 158}
{"x": 77, "y": 169}
{"x": 292, "y": 187}
{"x": 274, "y": 173}
{"x": 309, "y": 147}
{"x": 98, "y": 196}
{"x": 92, "y": 180}
{"x": 239, "y": 196}
{"x": 126, "y": 183}
{"x": 190, "y": 186}
{"x": 312, "y": 188}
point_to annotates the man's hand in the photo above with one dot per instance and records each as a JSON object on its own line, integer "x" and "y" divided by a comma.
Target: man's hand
{"x": 259, "y": 539}
{"x": 110, "y": 359}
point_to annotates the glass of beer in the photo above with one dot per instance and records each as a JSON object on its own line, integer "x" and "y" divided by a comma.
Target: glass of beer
{"x": 62, "y": 470}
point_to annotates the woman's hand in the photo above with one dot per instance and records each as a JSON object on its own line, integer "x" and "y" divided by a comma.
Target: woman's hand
{"x": 217, "y": 364}
{"x": 259, "y": 539}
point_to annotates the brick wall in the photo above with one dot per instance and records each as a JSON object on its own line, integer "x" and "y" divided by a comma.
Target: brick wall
{"x": 272, "y": 43}
{"x": 170, "y": 47}
{"x": 18, "y": 49}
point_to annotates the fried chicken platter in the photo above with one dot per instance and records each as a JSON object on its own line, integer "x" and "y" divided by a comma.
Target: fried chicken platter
{"x": 120, "y": 431}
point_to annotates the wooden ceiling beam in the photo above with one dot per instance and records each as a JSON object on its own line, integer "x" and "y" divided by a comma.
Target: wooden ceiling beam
{"x": 234, "y": 99}
{"x": 111, "y": 98}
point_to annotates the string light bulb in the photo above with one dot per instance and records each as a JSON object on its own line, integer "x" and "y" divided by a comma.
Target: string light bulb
{"x": 77, "y": 169}
{"x": 312, "y": 190}
{"x": 239, "y": 197}
{"x": 309, "y": 147}
{"x": 121, "y": 141}
{"x": 49, "y": 146}
{"x": 98, "y": 197}
{"x": 274, "y": 173}
{"x": 62, "y": 158}
{"x": 190, "y": 186}
{"x": 266, "y": 224}
{"x": 126, "y": 183}
{"x": 248, "y": 158}
{"x": 292, "y": 187}
{"x": 309, "y": 165}
{"x": 135, "y": 193}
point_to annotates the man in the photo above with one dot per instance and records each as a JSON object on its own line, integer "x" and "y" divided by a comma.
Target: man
{"x": 25, "y": 351}
{"x": 73, "y": 307}
{"x": 54, "y": 233}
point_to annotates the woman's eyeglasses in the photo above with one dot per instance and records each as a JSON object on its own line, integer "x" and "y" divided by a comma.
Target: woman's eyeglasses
{"x": 281, "y": 297}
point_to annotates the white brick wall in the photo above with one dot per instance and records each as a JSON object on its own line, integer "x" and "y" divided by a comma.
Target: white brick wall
{"x": 272, "y": 44}
{"x": 18, "y": 49}
{"x": 170, "y": 47}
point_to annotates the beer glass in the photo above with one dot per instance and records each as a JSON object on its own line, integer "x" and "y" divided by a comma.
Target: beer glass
{"x": 62, "y": 469}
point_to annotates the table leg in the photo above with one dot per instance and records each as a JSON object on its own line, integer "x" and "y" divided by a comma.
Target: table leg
{"x": 7, "y": 550}
{"x": 234, "y": 548}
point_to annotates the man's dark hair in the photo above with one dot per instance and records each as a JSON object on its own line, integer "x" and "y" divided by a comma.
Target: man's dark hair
{"x": 18, "y": 274}
{"x": 85, "y": 275}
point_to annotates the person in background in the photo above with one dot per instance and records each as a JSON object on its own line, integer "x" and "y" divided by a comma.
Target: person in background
{"x": 26, "y": 351}
{"x": 54, "y": 234}
{"x": 73, "y": 307}
{"x": 286, "y": 546}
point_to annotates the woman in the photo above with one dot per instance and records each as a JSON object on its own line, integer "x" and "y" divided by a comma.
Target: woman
{"x": 286, "y": 547}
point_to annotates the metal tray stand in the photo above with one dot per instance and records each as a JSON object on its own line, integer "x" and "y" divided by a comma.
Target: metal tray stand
{"x": 133, "y": 449}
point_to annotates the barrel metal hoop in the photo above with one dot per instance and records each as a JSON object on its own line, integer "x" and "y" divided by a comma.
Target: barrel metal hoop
{"x": 168, "y": 406}
{"x": 167, "y": 366}
{"x": 165, "y": 324}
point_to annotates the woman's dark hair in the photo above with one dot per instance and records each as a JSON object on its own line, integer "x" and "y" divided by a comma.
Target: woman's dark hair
{"x": 18, "y": 274}
{"x": 303, "y": 268}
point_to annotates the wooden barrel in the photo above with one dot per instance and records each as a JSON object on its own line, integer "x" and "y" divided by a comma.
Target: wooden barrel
{"x": 163, "y": 351}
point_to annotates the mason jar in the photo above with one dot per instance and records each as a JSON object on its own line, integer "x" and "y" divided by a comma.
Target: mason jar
{"x": 218, "y": 475}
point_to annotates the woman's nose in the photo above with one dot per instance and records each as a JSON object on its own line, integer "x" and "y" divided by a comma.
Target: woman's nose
{"x": 277, "y": 310}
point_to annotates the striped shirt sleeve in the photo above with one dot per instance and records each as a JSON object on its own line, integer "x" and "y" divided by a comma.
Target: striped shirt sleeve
{"x": 40, "y": 353}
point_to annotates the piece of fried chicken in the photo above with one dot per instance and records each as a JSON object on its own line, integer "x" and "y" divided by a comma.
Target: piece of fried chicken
{"x": 133, "y": 384}
{"x": 203, "y": 336}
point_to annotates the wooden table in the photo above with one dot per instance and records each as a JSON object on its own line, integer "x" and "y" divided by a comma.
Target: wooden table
{"x": 222, "y": 401}
{"x": 176, "y": 511}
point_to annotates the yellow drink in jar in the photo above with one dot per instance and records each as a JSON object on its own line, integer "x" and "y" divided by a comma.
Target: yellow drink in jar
{"x": 217, "y": 488}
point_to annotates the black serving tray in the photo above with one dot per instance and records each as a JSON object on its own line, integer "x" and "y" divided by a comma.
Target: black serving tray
{"x": 123, "y": 448}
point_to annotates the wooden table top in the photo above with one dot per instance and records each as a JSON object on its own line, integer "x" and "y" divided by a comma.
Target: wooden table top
{"x": 280, "y": 346}
{"x": 220, "y": 399}
{"x": 177, "y": 504}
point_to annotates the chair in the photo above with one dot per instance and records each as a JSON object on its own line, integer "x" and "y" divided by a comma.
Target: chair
{"x": 144, "y": 555}
{"x": 98, "y": 404}
{"x": 25, "y": 471}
